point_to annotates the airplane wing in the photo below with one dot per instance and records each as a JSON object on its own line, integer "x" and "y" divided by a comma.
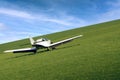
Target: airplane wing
{"x": 22, "y": 50}
{"x": 64, "y": 41}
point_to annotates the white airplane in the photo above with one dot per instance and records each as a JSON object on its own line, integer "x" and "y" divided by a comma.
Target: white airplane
{"x": 42, "y": 43}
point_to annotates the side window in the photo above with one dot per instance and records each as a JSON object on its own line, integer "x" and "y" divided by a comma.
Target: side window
{"x": 43, "y": 40}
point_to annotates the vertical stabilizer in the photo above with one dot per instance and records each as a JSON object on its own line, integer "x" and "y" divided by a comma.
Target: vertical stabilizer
{"x": 32, "y": 41}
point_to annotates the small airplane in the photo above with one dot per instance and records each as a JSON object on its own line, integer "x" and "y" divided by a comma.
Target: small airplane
{"x": 42, "y": 43}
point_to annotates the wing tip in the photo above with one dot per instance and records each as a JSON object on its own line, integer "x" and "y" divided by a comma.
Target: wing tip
{"x": 7, "y": 51}
{"x": 80, "y": 35}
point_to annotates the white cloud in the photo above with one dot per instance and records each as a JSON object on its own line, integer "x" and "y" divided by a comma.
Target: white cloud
{"x": 57, "y": 21}
{"x": 53, "y": 23}
{"x": 5, "y": 39}
{"x": 15, "y": 35}
{"x": 2, "y": 26}
{"x": 115, "y": 3}
{"x": 23, "y": 33}
{"x": 16, "y": 13}
{"x": 112, "y": 13}
{"x": 1, "y": 34}
{"x": 63, "y": 20}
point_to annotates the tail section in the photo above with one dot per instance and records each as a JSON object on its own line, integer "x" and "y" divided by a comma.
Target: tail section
{"x": 32, "y": 41}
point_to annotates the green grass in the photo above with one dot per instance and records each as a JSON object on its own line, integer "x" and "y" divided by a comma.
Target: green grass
{"x": 95, "y": 56}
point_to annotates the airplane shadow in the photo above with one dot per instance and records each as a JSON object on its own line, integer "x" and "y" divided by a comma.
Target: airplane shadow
{"x": 39, "y": 52}
{"x": 27, "y": 54}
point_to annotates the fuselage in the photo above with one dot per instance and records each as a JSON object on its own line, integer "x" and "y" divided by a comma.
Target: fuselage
{"x": 43, "y": 42}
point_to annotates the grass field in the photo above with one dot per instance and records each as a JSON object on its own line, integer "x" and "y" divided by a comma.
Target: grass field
{"x": 95, "y": 56}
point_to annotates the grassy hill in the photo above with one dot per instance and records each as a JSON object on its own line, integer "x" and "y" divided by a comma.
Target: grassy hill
{"x": 95, "y": 56}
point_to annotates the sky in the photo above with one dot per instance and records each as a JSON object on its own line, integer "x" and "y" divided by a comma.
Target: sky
{"x": 20, "y": 19}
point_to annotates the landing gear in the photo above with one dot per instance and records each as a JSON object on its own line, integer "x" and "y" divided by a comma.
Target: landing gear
{"x": 47, "y": 49}
{"x": 34, "y": 51}
{"x": 53, "y": 48}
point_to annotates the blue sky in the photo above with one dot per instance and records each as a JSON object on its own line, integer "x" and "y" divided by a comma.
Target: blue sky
{"x": 22, "y": 18}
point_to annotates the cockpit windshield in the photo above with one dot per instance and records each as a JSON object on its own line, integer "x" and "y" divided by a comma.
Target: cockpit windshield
{"x": 44, "y": 39}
